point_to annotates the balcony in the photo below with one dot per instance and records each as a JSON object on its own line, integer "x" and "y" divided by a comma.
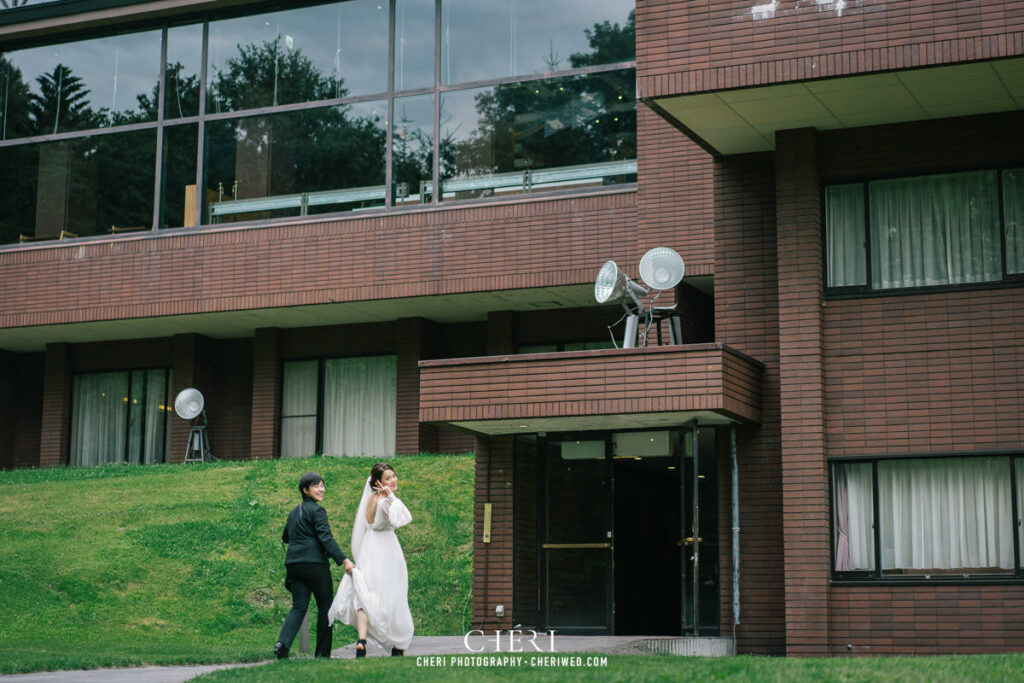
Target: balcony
{"x": 584, "y": 390}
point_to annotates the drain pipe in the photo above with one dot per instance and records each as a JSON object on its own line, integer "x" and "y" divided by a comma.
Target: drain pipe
{"x": 735, "y": 531}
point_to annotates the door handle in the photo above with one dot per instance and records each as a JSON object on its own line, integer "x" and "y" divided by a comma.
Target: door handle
{"x": 573, "y": 546}
{"x": 688, "y": 540}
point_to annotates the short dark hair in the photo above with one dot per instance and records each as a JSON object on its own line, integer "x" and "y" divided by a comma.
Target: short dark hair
{"x": 378, "y": 471}
{"x": 309, "y": 479}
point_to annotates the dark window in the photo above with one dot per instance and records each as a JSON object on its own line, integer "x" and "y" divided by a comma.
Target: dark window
{"x": 929, "y": 518}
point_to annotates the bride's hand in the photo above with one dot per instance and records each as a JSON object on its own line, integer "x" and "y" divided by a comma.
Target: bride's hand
{"x": 383, "y": 489}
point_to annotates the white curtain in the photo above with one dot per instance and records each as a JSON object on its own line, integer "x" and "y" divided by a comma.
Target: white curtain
{"x": 99, "y": 418}
{"x": 155, "y": 425}
{"x": 1020, "y": 504}
{"x": 935, "y": 230}
{"x": 1013, "y": 216}
{"x": 844, "y": 235}
{"x": 298, "y": 408}
{"x": 360, "y": 405}
{"x": 952, "y": 513}
{"x": 854, "y": 517}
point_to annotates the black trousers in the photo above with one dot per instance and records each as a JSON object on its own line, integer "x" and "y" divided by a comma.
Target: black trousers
{"x": 301, "y": 579}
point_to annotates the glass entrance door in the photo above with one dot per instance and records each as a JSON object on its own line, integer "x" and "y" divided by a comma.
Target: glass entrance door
{"x": 698, "y": 543}
{"x": 576, "y": 543}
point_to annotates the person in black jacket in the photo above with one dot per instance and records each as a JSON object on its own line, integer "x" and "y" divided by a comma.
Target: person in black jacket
{"x": 307, "y": 566}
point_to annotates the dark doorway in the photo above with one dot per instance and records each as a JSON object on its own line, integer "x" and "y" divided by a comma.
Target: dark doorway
{"x": 647, "y": 556}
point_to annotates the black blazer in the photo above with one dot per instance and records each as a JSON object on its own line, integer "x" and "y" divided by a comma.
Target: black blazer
{"x": 308, "y": 535}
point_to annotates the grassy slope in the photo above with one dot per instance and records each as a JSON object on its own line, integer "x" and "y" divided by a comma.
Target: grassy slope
{"x": 124, "y": 565}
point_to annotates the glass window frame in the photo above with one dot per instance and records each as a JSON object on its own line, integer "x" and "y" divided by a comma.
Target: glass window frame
{"x": 878, "y": 575}
{"x": 321, "y": 382}
{"x": 391, "y": 203}
{"x": 130, "y": 373}
{"x": 866, "y": 289}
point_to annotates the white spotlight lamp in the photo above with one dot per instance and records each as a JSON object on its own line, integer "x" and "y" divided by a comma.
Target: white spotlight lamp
{"x": 611, "y": 285}
{"x": 189, "y": 405}
{"x": 662, "y": 268}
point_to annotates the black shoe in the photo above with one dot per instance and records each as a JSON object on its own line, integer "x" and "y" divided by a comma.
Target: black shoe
{"x": 395, "y": 652}
{"x": 281, "y": 650}
{"x": 360, "y": 651}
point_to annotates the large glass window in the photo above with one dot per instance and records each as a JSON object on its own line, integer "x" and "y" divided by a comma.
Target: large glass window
{"x": 945, "y": 229}
{"x": 299, "y": 55}
{"x": 95, "y": 185}
{"x": 484, "y": 99}
{"x": 339, "y": 406}
{"x": 119, "y": 417}
{"x": 936, "y": 517}
{"x": 541, "y": 135}
{"x": 289, "y": 164}
{"x": 82, "y": 85}
{"x": 501, "y": 38}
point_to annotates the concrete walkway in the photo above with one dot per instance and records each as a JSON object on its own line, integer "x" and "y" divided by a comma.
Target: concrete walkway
{"x": 421, "y": 646}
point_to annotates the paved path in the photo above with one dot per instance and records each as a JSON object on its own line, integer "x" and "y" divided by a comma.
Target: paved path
{"x": 421, "y": 646}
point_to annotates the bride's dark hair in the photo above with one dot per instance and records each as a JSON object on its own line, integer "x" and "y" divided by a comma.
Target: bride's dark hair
{"x": 378, "y": 471}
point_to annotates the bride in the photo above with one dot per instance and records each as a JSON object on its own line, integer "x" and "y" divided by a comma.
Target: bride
{"x": 374, "y": 598}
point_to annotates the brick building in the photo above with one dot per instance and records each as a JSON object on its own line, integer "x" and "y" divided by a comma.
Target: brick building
{"x": 374, "y": 228}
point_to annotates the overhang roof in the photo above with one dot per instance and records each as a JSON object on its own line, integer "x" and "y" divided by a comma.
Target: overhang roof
{"x": 745, "y": 120}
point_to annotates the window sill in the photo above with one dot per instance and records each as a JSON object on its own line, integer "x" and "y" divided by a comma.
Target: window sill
{"x": 1003, "y": 579}
{"x": 841, "y": 294}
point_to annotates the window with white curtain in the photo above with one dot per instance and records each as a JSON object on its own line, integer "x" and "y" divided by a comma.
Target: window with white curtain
{"x": 925, "y": 231}
{"x": 937, "y": 517}
{"x": 339, "y": 406}
{"x": 119, "y": 417}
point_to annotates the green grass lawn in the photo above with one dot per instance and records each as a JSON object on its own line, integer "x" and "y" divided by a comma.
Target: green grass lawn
{"x": 987, "y": 668}
{"x": 132, "y": 565}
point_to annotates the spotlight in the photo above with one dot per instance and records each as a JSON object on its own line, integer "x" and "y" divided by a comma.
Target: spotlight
{"x": 189, "y": 405}
{"x": 661, "y": 268}
{"x": 612, "y": 284}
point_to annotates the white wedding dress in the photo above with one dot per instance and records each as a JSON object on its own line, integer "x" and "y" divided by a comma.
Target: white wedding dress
{"x": 379, "y": 584}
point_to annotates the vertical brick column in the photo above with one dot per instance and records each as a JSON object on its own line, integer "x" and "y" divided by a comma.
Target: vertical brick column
{"x": 56, "y": 419}
{"x": 413, "y": 342}
{"x": 265, "y": 440}
{"x": 493, "y": 562}
{"x": 501, "y": 337}
{"x": 804, "y": 474}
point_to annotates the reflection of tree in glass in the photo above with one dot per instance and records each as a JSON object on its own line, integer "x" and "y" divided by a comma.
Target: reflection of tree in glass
{"x": 182, "y": 92}
{"x": 16, "y": 178}
{"x": 557, "y": 122}
{"x": 291, "y": 152}
{"x": 267, "y": 74}
{"x": 62, "y": 103}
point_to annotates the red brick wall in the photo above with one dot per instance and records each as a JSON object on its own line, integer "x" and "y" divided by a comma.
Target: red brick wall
{"x": 746, "y": 318}
{"x": 493, "y": 576}
{"x": 606, "y": 382}
{"x": 353, "y": 258}
{"x": 55, "y": 424}
{"x": 703, "y": 45}
{"x": 675, "y": 195}
{"x": 926, "y": 620}
{"x": 265, "y": 423}
{"x": 414, "y": 340}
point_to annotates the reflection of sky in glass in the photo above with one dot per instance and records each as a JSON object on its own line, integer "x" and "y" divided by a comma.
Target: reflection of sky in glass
{"x": 185, "y": 47}
{"x": 33, "y": 3}
{"x": 115, "y": 69}
{"x": 414, "y": 44}
{"x": 414, "y": 115}
{"x": 347, "y": 39}
{"x": 499, "y": 38}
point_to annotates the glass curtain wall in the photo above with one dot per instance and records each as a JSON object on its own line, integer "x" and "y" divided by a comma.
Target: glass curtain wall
{"x": 326, "y": 108}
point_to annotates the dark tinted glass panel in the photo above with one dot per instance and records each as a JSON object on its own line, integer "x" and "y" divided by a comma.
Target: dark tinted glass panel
{"x": 78, "y": 86}
{"x": 178, "y": 203}
{"x": 543, "y": 135}
{"x": 301, "y": 55}
{"x": 184, "y": 63}
{"x": 484, "y": 40}
{"x": 413, "y": 148}
{"x": 578, "y": 588}
{"x": 296, "y": 163}
{"x": 414, "y": 44}
{"x": 84, "y": 186}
